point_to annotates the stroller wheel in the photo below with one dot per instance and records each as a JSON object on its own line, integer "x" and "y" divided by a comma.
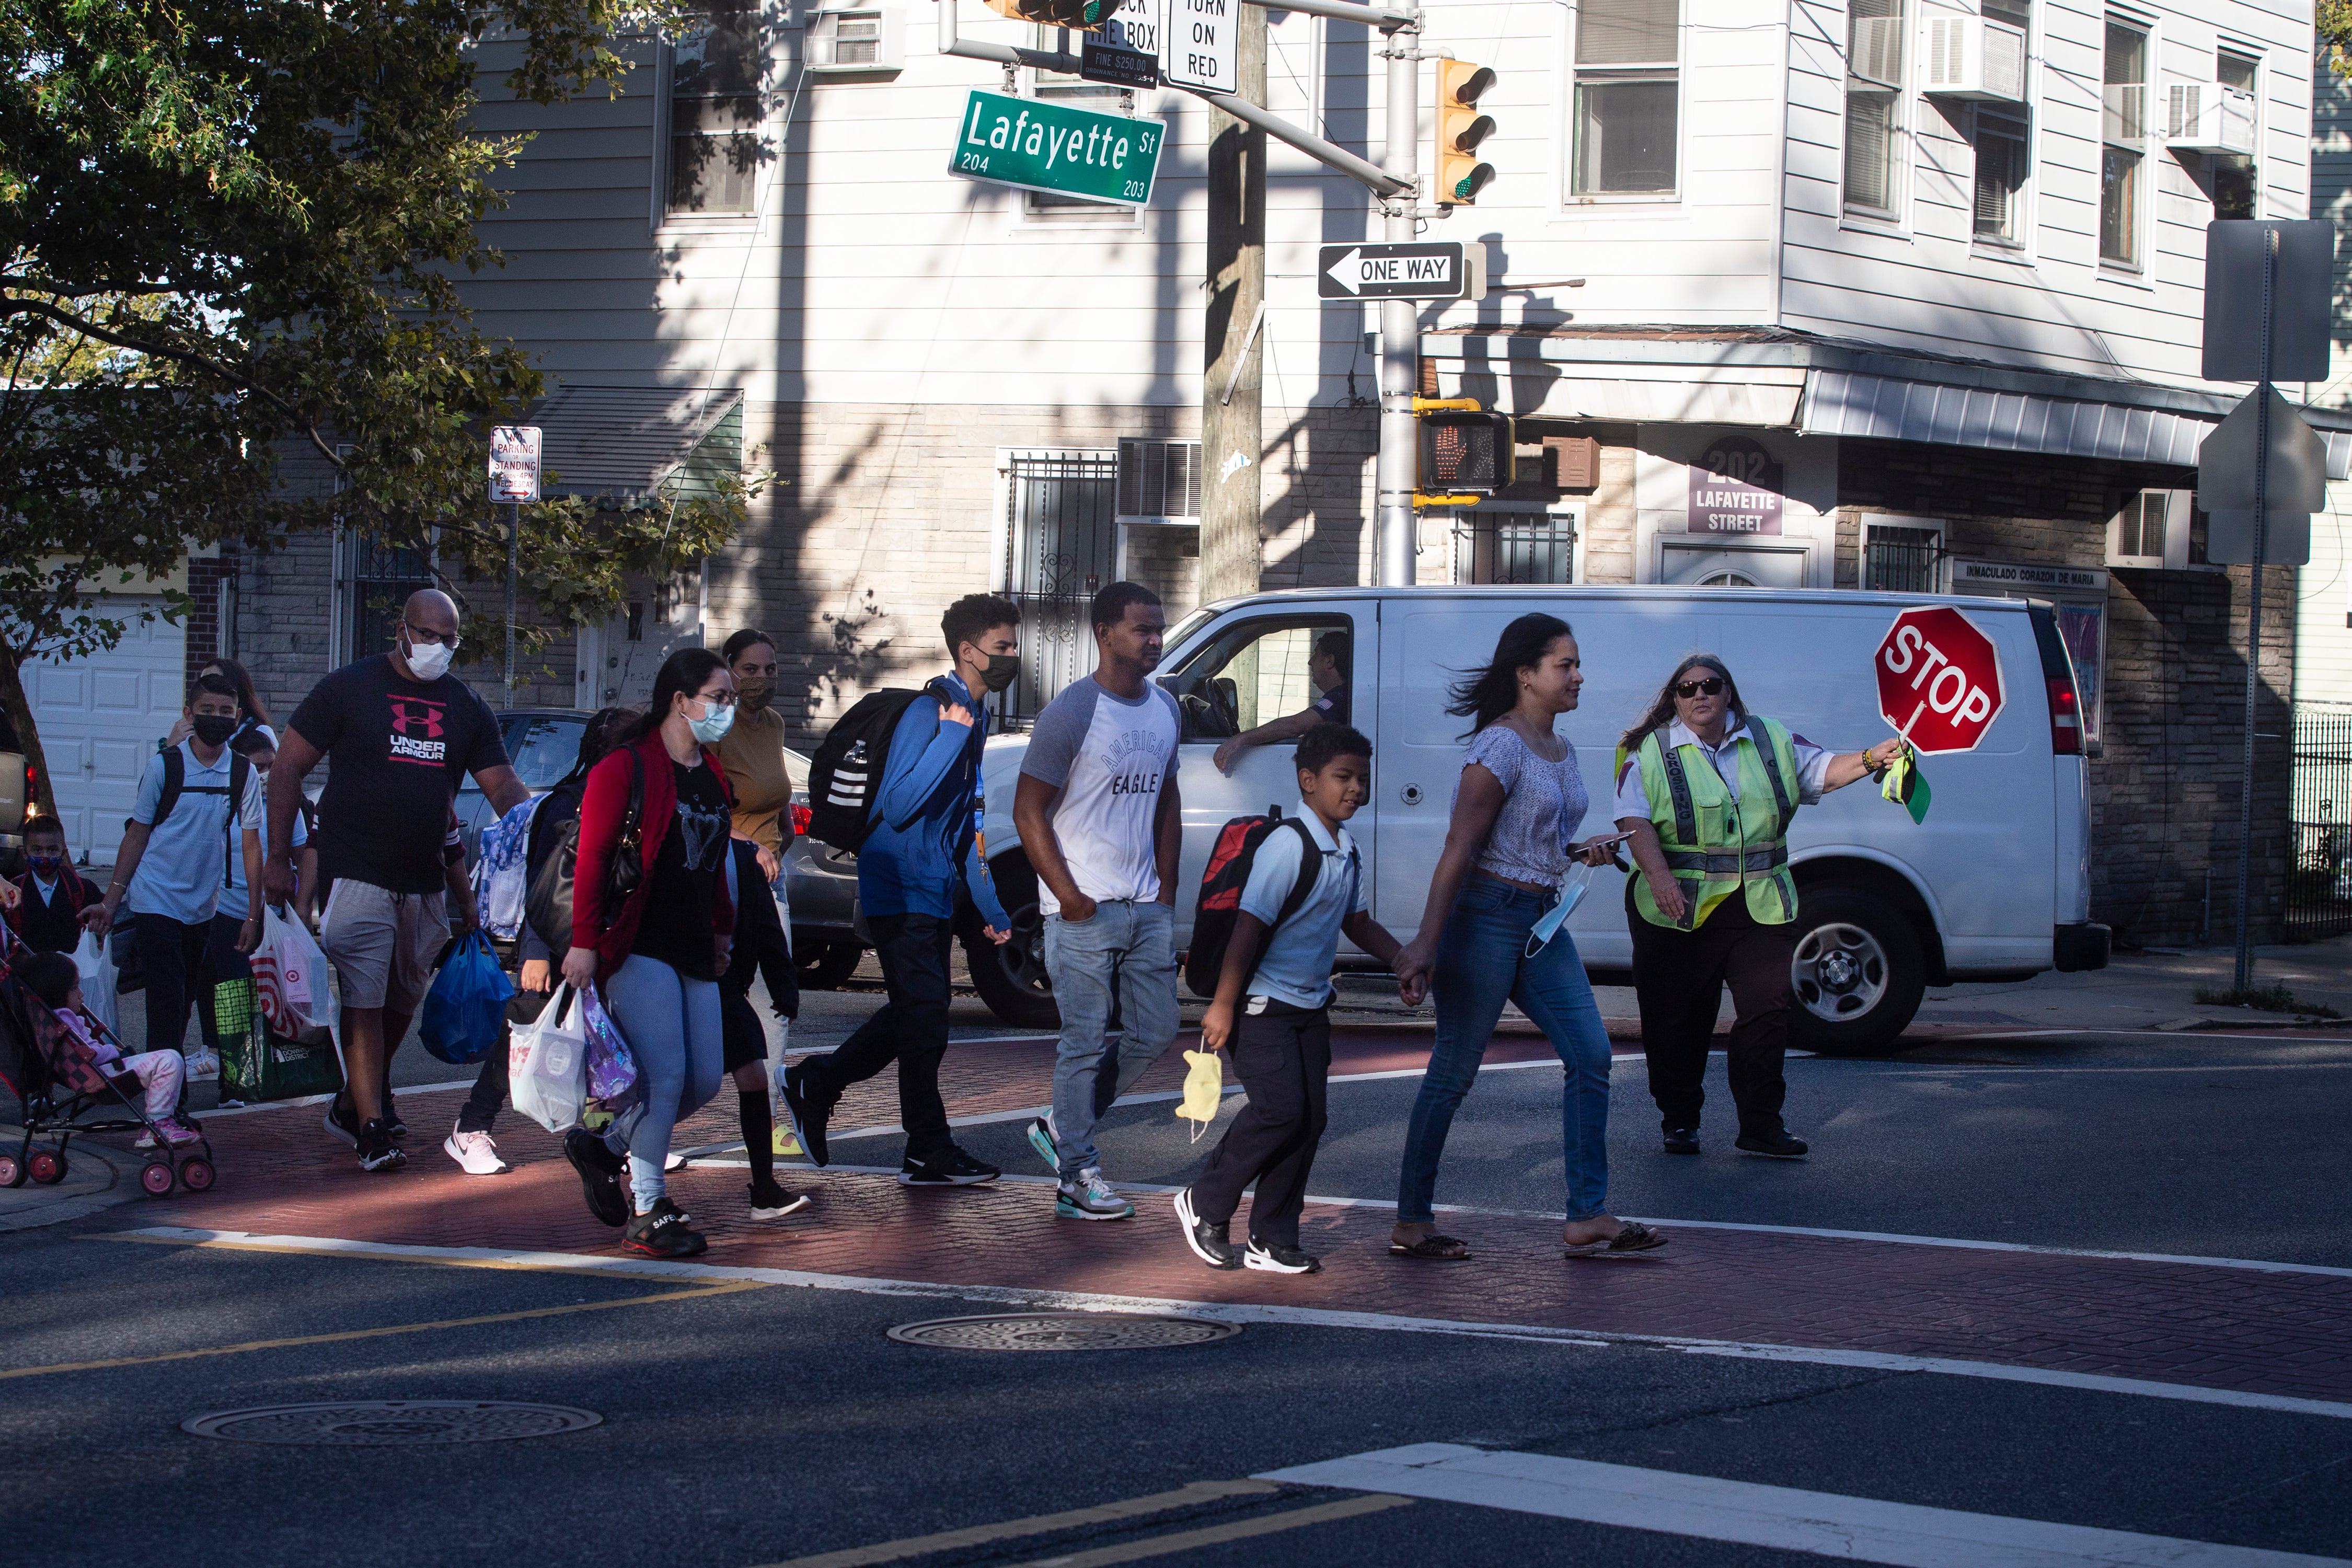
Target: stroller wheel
{"x": 12, "y": 1171}
{"x": 197, "y": 1174}
{"x": 156, "y": 1177}
{"x": 48, "y": 1166}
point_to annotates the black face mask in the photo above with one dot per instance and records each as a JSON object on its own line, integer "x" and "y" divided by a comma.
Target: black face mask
{"x": 213, "y": 728}
{"x": 1002, "y": 670}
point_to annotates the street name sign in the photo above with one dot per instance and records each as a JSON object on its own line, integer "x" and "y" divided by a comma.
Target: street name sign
{"x": 1201, "y": 46}
{"x": 514, "y": 464}
{"x": 1420, "y": 271}
{"x": 1938, "y": 679}
{"x": 1046, "y": 146}
{"x": 1125, "y": 53}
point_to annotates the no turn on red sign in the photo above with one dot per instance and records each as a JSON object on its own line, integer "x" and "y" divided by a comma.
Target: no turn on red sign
{"x": 1938, "y": 679}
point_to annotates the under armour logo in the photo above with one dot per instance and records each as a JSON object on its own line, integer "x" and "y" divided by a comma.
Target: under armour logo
{"x": 416, "y": 718}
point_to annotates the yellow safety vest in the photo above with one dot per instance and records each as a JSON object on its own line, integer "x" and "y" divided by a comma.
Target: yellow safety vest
{"x": 1716, "y": 845}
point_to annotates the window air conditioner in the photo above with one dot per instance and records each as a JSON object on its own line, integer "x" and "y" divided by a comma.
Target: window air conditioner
{"x": 856, "y": 40}
{"x": 2151, "y": 530}
{"x": 2201, "y": 117}
{"x": 1968, "y": 56}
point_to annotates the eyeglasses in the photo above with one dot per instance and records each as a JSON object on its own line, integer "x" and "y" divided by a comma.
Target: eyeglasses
{"x": 419, "y": 634}
{"x": 1712, "y": 687}
{"x": 710, "y": 700}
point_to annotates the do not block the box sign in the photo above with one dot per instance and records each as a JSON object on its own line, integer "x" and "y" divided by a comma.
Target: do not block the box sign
{"x": 1052, "y": 147}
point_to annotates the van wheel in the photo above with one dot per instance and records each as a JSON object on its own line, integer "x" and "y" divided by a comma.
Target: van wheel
{"x": 1857, "y": 973}
{"x": 1011, "y": 978}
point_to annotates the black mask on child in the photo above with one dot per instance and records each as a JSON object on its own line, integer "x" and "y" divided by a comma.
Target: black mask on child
{"x": 213, "y": 729}
{"x": 1002, "y": 670}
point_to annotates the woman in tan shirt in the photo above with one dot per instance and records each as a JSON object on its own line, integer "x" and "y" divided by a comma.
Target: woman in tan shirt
{"x": 753, "y": 751}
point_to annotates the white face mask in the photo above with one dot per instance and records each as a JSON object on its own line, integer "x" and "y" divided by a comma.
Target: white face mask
{"x": 429, "y": 661}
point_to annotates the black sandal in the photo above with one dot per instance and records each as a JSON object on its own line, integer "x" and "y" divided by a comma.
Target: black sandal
{"x": 1432, "y": 1249}
{"x": 1635, "y": 1238}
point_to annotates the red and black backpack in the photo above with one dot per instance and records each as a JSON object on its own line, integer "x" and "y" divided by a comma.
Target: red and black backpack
{"x": 1221, "y": 882}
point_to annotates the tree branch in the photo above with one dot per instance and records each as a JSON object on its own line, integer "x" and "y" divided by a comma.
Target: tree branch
{"x": 18, "y": 304}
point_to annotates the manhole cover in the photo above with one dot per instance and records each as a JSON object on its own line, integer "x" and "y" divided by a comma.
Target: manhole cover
{"x": 391, "y": 1423}
{"x": 1063, "y": 1331}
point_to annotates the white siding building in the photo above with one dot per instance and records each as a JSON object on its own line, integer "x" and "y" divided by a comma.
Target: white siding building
{"x": 1932, "y": 275}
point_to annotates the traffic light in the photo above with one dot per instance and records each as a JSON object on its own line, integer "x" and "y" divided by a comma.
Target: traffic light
{"x": 1464, "y": 451}
{"x": 1083, "y": 15}
{"x": 1460, "y": 130}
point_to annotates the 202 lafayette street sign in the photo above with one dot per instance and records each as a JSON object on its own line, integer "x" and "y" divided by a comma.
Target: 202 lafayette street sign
{"x": 1051, "y": 147}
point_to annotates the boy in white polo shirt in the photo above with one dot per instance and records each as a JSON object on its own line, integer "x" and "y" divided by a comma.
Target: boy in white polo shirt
{"x": 1273, "y": 1010}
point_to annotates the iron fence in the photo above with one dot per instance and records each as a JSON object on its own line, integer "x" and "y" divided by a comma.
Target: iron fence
{"x": 2319, "y": 880}
{"x": 1064, "y": 539}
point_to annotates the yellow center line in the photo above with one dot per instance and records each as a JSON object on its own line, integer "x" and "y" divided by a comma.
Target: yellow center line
{"x": 1038, "y": 1524}
{"x": 728, "y": 1288}
{"x": 1216, "y": 1534}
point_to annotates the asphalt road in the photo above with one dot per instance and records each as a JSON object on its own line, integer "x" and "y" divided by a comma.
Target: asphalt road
{"x": 764, "y": 1424}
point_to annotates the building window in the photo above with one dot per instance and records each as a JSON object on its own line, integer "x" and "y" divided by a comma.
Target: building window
{"x": 2233, "y": 173}
{"x": 2002, "y": 168}
{"x": 1902, "y": 555}
{"x": 714, "y": 113}
{"x": 1874, "y": 106}
{"x": 1628, "y": 89}
{"x": 2123, "y": 156}
{"x": 1517, "y": 547}
{"x": 381, "y": 580}
{"x": 1053, "y": 207}
{"x": 1062, "y": 544}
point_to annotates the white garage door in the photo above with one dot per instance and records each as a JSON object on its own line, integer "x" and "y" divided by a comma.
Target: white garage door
{"x": 100, "y": 718}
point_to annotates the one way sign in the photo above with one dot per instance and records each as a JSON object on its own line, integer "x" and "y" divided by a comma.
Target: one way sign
{"x": 1391, "y": 273}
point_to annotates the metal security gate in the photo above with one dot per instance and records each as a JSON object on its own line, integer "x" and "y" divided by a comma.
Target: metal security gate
{"x": 1062, "y": 544}
{"x": 2319, "y": 881}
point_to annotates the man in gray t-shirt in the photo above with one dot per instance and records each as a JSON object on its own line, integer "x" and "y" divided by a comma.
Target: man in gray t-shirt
{"x": 1100, "y": 818}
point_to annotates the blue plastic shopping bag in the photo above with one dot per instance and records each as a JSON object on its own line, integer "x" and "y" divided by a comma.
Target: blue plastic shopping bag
{"x": 465, "y": 1014}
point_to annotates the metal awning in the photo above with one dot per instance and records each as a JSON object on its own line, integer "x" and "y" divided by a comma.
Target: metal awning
{"x": 628, "y": 442}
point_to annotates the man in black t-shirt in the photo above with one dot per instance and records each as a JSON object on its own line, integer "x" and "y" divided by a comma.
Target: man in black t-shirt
{"x": 399, "y": 733}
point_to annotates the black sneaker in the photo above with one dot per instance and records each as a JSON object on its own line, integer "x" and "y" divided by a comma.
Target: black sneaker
{"x": 599, "y": 1174}
{"x": 1778, "y": 1144}
{"x": 391, "y": 1122}
{"x": 342, "y": 1120}
{"x": 1682, "y": 1139}
{"x": 808, "y": 1112}
{"x": 1280, "y": 1259}
{"x": 377, "y": 1150}
{"x": 1207, "y": 1238}
{"x": 661, "y": 1232}
{"x": 950, "y": 1167}
{"x": 770, "y": 1200}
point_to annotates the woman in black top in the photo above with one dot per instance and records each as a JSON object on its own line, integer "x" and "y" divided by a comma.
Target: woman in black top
{"x": 761, "y": 947}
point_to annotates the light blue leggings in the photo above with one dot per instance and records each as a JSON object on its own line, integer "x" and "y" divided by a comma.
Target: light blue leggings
{"x": 672, "y": 1025}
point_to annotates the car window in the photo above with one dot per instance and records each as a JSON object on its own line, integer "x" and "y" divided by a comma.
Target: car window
{"x": 1252, "y": 673}
{"x": 544, "y": 749}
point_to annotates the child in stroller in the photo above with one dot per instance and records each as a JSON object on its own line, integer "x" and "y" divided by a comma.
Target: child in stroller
{"x": 73, "y": 1063}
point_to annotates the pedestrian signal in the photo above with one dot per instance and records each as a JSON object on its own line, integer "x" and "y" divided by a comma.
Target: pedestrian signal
{"x": 1459, "y": 130}
{"x": 1463, "y": 450}
{"x": 1082, "y": 15}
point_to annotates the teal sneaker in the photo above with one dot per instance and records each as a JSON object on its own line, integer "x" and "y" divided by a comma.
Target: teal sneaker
{"x": 1041, "y": 1138}
{"x": 1090, "y": 1197}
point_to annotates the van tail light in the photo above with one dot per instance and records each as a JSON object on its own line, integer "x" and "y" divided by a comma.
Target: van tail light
{"x": 802, "y": 817}
{"x": 2066, "y": 719}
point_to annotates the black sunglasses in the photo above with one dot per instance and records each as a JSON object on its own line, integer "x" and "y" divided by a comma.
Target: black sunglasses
{"x": 1712, "y": 686}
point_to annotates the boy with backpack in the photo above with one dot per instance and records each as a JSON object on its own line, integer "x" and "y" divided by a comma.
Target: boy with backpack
{"x": 906, "y": 767}
{"x": 51, "y": 895}
{"x": 198, "y": 804}
{"x": 1304, "y": 886}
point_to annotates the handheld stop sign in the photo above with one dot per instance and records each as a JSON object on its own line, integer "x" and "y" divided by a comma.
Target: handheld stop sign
{"x": 1938, "y": 679}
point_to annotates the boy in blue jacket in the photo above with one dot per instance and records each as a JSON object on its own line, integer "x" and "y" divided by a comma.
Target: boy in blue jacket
{"x": 924, "y": 847}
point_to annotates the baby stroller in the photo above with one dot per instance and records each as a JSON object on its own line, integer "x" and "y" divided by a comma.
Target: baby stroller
{"x": 58, "y": 1081}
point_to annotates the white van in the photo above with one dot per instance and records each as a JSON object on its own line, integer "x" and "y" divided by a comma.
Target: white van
{"x": 1994, "y": 886}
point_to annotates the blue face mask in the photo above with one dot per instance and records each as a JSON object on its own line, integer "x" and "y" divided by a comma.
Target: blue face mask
{"x": 712, "y": 727}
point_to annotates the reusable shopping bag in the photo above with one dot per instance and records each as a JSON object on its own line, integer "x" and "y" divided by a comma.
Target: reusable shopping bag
{"x": 465, "y": 1014}
{"x": 612, "y": 1065}
{"x": 257, "y": 1063}
{"x": 97, "y": 981}
{"x": 1204, "y": 1086}
{"x": 547, "y": 1062}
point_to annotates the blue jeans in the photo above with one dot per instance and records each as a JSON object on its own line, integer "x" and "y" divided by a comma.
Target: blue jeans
{"x": 1128, "y": 945}
{"x": 673, "y": 1028}
{"x": 1482, "y": 964}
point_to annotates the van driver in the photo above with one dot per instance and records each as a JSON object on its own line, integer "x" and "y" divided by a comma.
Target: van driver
{"x": 1327, "y": 667}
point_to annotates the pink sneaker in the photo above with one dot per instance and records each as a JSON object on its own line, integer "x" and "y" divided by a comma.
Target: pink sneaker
{"x": 177, "y": 1135}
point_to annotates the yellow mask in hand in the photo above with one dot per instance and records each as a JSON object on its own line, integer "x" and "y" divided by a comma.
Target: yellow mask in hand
{"x": 1204, "y": 1087}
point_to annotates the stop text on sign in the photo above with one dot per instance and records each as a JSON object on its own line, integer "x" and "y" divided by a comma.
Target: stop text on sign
{"x": 1940, "y": 679}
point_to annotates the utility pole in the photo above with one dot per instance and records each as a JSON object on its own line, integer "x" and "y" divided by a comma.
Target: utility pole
{"x": 1400, "y": 319}
{"x": 1233, "y": 430}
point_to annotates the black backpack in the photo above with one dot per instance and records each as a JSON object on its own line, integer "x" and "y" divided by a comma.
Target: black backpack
{"x": 175, "y": 785}
{"x": 552, "y": 856}
{"x": 1219, "y": 904}
{"x": 845, "y": 774}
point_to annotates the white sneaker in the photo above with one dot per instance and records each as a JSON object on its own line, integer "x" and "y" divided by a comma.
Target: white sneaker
{"x": 202, "y": 1066}
{"x": 477, "y": 1153}
{"x": 674, "y": 1161}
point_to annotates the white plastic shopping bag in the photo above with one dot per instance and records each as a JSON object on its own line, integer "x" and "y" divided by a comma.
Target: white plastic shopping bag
{"x": 303, "y": 969}
{"x": 547, "y": 1062}
{"x": 98, "y": 977}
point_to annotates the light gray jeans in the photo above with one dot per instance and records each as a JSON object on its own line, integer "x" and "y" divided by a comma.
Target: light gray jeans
{"x": 1130, "y": 946}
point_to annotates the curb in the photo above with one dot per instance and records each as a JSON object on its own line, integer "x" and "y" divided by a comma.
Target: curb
{"x": 29, "y": 1207}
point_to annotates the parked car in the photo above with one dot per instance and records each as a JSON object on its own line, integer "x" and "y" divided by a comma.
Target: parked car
{"x": 1995, "y": 885}
{"x": 15, "y": 800}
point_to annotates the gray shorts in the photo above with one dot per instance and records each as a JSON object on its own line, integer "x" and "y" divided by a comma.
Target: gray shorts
{"x": 382, "y": 943}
